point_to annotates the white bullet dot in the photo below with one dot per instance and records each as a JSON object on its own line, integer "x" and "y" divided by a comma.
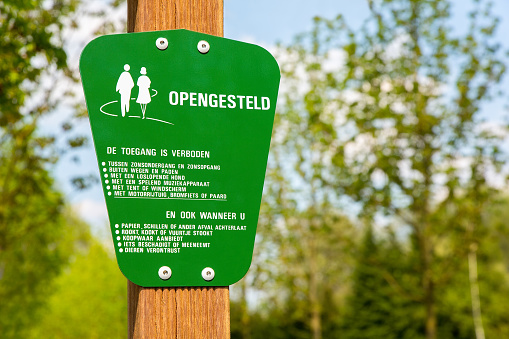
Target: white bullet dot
{"x": 118, "y": 238}
{"x": 109, "y": 193}
{"x": 119, "y": 244}
{"x": 120, "y": 250}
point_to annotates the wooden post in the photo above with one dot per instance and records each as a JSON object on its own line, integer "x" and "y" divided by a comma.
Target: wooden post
{"x": 189, "y": 312}
{"x": 204, "y": 16}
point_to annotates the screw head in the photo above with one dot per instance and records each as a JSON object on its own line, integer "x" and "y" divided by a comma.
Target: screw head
{"x": 203, "y": 47}
{"x": 208, "y": 274}
{"x": 164, "y": 273}
{"x": 162, "y": 43}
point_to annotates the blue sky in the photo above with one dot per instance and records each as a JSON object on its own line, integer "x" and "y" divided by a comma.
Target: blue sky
{"x": 272, "y": 21}
{"x": 265, "y": 22}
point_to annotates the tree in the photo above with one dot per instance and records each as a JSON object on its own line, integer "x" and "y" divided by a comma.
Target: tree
{"x": 89, "y": 300}
{"x": 34, "y": 240}
{"x": 392, "y": 120}
{"x": 37, "y": 233}
{"x": 302, "y": 268}
{"x": 31, "y": 47}
{"x": 375, "y": 307}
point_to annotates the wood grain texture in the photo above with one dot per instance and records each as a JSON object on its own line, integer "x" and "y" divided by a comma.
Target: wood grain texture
{"x": 204, "y": 16}
{"x": 187, "y": 312}
{"x": 184, "y": 312}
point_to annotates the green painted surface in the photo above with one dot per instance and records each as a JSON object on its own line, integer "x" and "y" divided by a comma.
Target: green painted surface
{"x": 197, "y": 157}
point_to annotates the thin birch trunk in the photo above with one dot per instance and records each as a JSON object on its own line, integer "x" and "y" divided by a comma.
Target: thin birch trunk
{"x": 474, "y": 292}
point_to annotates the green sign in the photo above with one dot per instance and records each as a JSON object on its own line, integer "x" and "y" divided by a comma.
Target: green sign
{"x": 181, "y": 123}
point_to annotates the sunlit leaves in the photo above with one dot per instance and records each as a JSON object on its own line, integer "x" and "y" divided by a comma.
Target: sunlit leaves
{"x": 393, "y": 132}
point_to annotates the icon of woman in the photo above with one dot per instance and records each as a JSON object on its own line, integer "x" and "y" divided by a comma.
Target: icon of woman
{"x": 143, "y": 93}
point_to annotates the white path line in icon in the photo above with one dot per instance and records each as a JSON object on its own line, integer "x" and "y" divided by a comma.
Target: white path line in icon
{"x": 129, "y": 116}
{"x": 101, "y": 109}
{"x": 166, "y": 122}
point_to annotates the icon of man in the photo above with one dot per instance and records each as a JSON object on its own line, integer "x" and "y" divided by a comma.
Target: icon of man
{"x": 125, "y": 84}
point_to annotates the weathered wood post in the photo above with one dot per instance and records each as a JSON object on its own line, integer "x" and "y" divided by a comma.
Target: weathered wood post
{"x": 182, "y": 312}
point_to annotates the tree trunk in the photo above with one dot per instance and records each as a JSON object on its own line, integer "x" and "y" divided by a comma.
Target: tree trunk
{"x": 428, "y": 284}
{"x": 246, "y": 332}
{"x": 314, "y": 300}
{"x": 431, "y": 317}
{"x": 474, "y": 292}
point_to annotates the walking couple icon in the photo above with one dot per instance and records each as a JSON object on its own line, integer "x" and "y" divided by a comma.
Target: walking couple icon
{"x": 125, "y": 84}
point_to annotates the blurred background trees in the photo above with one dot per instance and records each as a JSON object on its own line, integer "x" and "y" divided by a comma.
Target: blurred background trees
{"x": 385, "y": 207}
{"x": 34, "y": 241}
{"x": 386, "y": 124}
{"x": 40, "y": 238}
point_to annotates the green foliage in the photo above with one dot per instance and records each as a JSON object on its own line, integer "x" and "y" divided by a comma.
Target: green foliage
{"x": 381, "y": 125}
{"x": 89, "y": 299}
{"x": 386, "y": 122}
{"x": 36, "y": 236}
{"x": 302, "y": 269}
{"x": 35, "y": 78}
{"x": 31, "y": 45}
{"x": 36, "y": 239}
{"x": 378, "y": 306}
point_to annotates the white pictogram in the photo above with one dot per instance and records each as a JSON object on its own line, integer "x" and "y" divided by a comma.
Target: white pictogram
{"x": 125, "y": 84}
{"x": 143, "y": 84}
{"x": 124, "y": 87}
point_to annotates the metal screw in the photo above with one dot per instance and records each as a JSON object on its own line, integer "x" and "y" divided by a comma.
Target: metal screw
{"x": 162, "y": 43}
{"x": 165, "y": 272}
{"x": 203, "y": 47}
{"x": 208, "y": 274}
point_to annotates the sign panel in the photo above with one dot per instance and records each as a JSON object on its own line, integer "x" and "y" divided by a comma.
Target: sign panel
{"x": 181, "y": 123}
